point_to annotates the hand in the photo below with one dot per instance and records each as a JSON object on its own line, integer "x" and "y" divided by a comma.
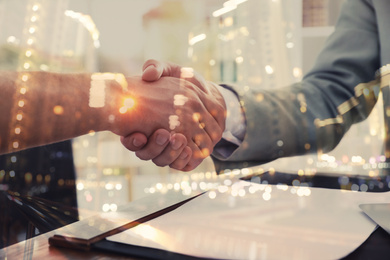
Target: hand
{"x": 175, "y": 104}
{"x": 154, "y": 70}
{"x": 162, "y": 148}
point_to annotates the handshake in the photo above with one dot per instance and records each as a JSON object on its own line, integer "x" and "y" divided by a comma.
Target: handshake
{"x": 176, "y": 117}
{"x": 170, "y": 115}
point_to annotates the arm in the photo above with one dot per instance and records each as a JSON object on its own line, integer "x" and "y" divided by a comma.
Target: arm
{"x": 40, "y": 108}
{"x": 313, "y": 115}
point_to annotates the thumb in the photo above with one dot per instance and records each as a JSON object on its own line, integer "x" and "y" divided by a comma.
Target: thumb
{"x": 134, "y": 142}
{"x": 152, "y": 70}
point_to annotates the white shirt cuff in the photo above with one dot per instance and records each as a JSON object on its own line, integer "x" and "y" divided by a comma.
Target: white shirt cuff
{"x": 235, "y": 127}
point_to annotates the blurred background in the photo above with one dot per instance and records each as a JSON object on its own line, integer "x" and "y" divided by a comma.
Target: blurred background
{"x": 251, "y": 43}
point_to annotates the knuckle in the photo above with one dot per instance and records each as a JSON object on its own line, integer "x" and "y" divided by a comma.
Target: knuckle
{"x": 145, "y": 156}
{"x": 159, "y": 163}
{"x": 148, "y": 62}
{"x": 177, "y": 165}
{"x": 194, "y": 163}
{"x": 187, "y": 169}
{"x": 216, "y": 137}
{"x": 142, "y": 157}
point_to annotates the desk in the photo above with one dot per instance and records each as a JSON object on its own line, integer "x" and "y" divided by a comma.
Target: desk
{"x": 377, "y": 245}
{"x": 38, "y": 248}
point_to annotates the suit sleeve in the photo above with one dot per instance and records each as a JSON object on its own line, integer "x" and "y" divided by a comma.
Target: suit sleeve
{"x": 314, "y": 114}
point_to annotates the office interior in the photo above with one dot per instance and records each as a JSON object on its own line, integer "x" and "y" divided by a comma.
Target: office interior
{"x": 256, "y": 44}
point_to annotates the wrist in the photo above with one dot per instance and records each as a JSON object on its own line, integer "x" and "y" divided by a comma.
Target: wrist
{"x": 235, "y": 124}
{"x": 109, "y": 95}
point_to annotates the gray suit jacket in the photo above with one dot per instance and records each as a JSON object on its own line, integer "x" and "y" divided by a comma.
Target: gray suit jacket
{"x": 314, "y": 115}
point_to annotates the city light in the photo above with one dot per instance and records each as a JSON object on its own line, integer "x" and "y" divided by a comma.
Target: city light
{"x": 197, "y": 39}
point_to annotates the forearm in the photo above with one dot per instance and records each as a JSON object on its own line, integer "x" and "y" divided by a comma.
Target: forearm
{"x": 296, "y": 120}
{"x": 40, "y": 108}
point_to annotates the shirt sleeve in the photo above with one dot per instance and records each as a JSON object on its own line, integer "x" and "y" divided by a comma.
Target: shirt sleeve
{"x": 235, "y": 124}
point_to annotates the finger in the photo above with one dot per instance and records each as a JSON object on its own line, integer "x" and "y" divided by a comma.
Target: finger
{"x": 204, "y": 146}
{"x": 164, "y": 69}
{"x": 199, "y": 140}
{"x": 192, "y": 164}
{"x": 213, "y": 110}
{"x": 198, "y": 153}
{"x": 152, "y": 70}
{"x": 183, "y": 159}
{"x": 155, "y": 145}
{"x": 172, "y": 151}
{"x": 207, "y": 133}
{"x": 213, "y": 130}
{"x": 134, "y": 142}
{"x": 215, "y": 104}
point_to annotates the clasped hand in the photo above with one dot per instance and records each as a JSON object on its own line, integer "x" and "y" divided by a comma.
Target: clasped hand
{"x": 195, "y": 117}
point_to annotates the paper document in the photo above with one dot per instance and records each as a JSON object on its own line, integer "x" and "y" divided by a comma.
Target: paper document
{"x": 255, "y": 221}
{"x": 94, "y": 226}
